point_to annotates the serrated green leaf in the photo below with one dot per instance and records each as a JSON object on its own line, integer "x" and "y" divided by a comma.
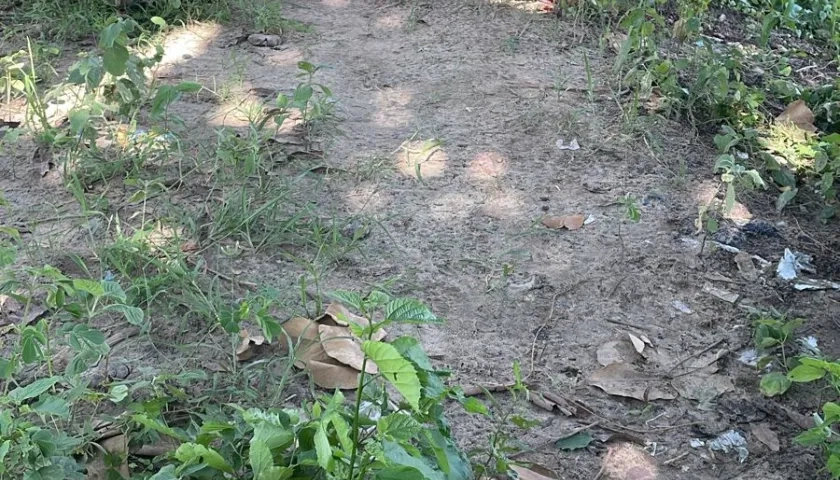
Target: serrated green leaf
{"x": 774, "y": 383}
{"x": 32, "y": 390}
{"x": 398, "y": 426}
{"x": 396, "y": 369}
{"x": 805, "y": 373}
{"x": 406, "y": 310}
{"x": 812, "y": 436}
{"x": 349, "y": 299}
{"x": 113, "y": 290}
{"x": 574, "y": 441}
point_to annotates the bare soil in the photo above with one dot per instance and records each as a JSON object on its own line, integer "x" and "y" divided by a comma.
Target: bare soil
{"x": 459, "y": 227}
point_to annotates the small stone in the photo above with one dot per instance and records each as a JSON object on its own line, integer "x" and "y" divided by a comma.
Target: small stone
{"x": 260, "y": 40}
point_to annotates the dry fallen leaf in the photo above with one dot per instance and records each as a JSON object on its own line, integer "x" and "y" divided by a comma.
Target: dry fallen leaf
{"x": 299, "y": 331}
{"x": 326, "y": 371}
{"x": 622, "y": 380}
{"x": 762, "y": 432}
{"x": 638, "y": 344}
{"x": 340, "y": 315}
{"x": 702, "y": 386}
{"x": 339, "y": 345}
{"x": 798, "y": 114}
{"x": 246, "y": 349}
{"x": 98, "y": 469}
{"x": 534, "y": 472}
{"x": 570, "y": 222}
{"x": 616, "y": 351}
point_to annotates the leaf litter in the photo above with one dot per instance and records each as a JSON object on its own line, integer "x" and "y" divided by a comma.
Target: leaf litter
{"x": 324, "y": 347}
{"x": 569, "y": 222}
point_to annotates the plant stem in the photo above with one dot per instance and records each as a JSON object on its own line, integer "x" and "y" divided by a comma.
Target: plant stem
{"x": 356, "y": 411}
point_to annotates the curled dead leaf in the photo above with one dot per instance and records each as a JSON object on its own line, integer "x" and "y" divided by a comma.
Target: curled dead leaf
{"x": 623, "y": 380}
{"x": 246, "y": 348}
{"x": 340, "y": 345}
{"x": 702, "y": 386}
{"x": 798, "y": 113}
{"x": 326, "y": 371}
{"x": 338, "y": 314}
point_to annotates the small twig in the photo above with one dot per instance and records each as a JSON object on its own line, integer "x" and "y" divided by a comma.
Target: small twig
{"x": 626, "y": 324}
{"x": 695, "y": 355}
{"x": 545, "y": 324}
{"x": 678, "y": 457}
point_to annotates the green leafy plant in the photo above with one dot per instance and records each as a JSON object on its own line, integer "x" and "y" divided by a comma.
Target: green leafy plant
{"x": 314, "y": 101}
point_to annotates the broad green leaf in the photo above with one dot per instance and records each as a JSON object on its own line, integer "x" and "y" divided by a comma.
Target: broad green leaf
{"x": 833, "y": 465}
{"x": 398, "y": 426}
{"x": 474, "y": 405}
{"x": 133, "y": 315}
{"x": 575, "y": 441}
{"x": 113, "y": 290}
{"x": 164, "y": 97}
{"x": 118, "y": 393}
{"x": 110, "y": 34}
{"x": 89, "y": 286}
{"x": 165, "y": 473}
{"x": 115, "y": 59}
{"x": 84, "y": 338}
{"x": 812, "y": 436}
{"x": 405, "y": 310}
{"x": 270, "y": 327}
{"x": 410, "y": 348}
{"x": 805, "y": 373}
{"x": 302, "y": 95}
{"x": 52, "y": 405}
{"x": 323, "y": 450}
{"x": 4, "y": 450}
{"x": 349, "y": 299}
{"x": 399, "y": 473}
{"x": 158, "y": 21}
{"x": 32, "y": 390}
{"x": 831, "y": 412}
{"x": 524, "y": 423}
{"x": 195, "y": 453}
{"x": 78, "y": 119}
{"x": 158, "y": 426}
{"x": 756, "y": 179}
{"x": 397, "y": 456}
{"x": 774, "y": 383}
{"x": 396, "y": 369}
{"x": 785, "y": 198}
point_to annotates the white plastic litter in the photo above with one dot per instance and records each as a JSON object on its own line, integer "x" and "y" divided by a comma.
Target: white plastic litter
{"x": 749, "y": 357}
{"x": 792, "y": 263}
{"x": 731, "y": 441}
{"x": 573, "y": 145}
{"x": 682, "y": 307}
{"x": 809, "y": 346}
{"x": 696, "y": 443}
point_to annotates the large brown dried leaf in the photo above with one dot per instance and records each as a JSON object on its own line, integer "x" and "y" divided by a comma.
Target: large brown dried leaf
{"x": 798, "y": 114}
{"x": 333, "y": 375}
{"x": 339, "y": 344}
{"x": 340, "y": 315}
{"x": 623, "y": 380}
{"x": 326, "y": 371}
{"x": 247, "y": 347}
{"x": 703, "y": 386}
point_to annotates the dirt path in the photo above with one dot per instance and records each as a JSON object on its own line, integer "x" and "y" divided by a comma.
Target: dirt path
{"x": 448, "y": 155}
